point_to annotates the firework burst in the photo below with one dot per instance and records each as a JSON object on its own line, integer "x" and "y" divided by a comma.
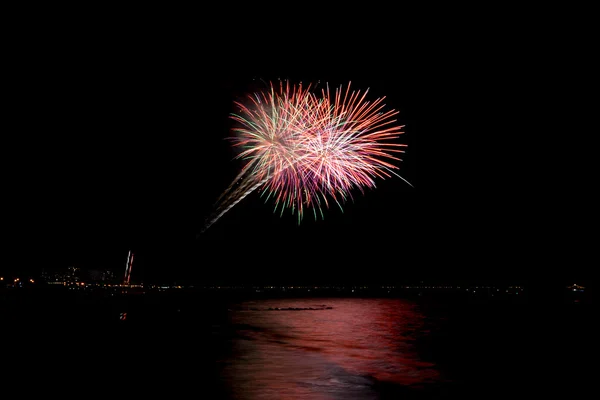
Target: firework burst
{"x": 306, "y": 149}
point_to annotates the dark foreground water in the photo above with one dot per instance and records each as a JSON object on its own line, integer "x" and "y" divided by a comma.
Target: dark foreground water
{"x": 304, "y": 348}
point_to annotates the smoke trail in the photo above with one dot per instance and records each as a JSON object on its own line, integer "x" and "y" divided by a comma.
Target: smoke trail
{"x": 236, "y": 199}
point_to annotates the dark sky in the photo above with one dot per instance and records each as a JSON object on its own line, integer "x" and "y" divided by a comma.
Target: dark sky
{"x": 123, "y": 152}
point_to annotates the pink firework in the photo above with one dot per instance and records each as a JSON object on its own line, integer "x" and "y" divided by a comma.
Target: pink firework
{"x": 303, "y": 148}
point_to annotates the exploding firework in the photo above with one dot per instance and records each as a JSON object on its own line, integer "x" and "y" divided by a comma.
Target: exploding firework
{"x": 305, "y": 149}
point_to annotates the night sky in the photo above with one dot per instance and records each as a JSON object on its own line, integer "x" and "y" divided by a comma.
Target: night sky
{"x": 120, "y": 153}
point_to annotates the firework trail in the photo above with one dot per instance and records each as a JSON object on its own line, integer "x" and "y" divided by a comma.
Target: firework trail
{"x": 302, "y": 148}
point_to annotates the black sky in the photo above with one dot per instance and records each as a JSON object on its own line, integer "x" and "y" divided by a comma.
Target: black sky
{"x": 115, "y": 150}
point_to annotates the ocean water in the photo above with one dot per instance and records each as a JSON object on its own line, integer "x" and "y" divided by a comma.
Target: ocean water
{"x": 285, "y": 348}
{"x": 341, "y": 348}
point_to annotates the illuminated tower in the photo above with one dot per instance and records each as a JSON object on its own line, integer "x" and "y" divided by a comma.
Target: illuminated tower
{"x": 128, "y": 268}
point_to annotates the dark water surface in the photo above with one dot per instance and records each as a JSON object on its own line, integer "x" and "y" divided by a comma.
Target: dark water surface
{"x": 304, "y": 348}
{"x": 329, "y": 353}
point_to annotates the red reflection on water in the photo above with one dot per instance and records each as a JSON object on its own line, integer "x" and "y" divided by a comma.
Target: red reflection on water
{"x": 328, "y": 352}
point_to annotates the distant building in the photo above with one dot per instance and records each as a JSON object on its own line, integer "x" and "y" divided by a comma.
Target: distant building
{"x": 69, "y": 274}
{"x": 101, "y": 275}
